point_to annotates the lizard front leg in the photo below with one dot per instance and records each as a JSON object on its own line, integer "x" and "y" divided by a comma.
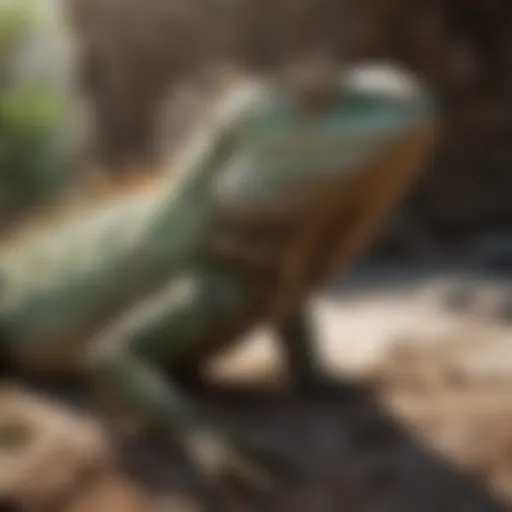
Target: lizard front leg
{"x": 127, "y": 364}
{"x": 298, "y": 339}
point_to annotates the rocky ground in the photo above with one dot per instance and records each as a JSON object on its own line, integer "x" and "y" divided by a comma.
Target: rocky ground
{"x": 426, "y": 428}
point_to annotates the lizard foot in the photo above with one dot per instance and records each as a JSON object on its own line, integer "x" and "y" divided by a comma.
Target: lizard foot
{"x": 249, "y": 463}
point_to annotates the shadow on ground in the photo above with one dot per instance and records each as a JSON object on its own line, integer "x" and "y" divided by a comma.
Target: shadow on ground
{"x": 351, "y": 452}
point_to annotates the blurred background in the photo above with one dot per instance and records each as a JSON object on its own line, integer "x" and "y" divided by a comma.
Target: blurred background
{"x": 424, "y": 320}
{"x": 144, "y": 68}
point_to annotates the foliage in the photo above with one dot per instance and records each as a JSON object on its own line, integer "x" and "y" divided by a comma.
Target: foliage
{"x": 36, "y": 135}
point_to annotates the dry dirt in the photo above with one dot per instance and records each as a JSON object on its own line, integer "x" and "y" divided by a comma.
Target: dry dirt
{"x": 425, "y": 427}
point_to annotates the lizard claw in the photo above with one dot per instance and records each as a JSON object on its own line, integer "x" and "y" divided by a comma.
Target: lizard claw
{"x": 251, "y": 465}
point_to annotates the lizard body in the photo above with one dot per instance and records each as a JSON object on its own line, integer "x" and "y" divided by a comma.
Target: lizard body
{"x": 269, "y": 200}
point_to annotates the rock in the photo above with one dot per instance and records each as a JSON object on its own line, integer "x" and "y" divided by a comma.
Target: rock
{"x": 54, "y": 459}
{"x": 112, "y": 493}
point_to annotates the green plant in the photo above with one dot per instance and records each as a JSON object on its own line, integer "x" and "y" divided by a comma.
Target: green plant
{"x": 37, "y": 132}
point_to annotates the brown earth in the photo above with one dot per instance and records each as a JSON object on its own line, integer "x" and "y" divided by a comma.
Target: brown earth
{"x": 426, "y": 426}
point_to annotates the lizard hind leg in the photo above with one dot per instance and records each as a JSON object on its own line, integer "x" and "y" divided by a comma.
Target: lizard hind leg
{"x": 301, "y": 348}
{"x": 127, "y": 363}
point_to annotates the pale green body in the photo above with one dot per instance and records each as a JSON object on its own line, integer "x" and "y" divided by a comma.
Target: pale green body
{"x": 146, "y": 285}
{"x": 94, "y": 266}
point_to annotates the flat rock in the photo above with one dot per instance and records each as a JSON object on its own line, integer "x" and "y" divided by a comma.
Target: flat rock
{"x": 53, "y": 458}
{"x": 362, "y": 328}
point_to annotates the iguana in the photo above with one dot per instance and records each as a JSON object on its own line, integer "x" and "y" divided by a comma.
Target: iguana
{"x": 285, "y": 183}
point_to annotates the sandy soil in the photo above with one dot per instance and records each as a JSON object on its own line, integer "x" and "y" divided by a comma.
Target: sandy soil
{"x": 426, "y": 426}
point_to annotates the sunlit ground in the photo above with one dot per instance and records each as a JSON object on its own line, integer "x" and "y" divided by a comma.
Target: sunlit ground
{"x": 436, "y": 413}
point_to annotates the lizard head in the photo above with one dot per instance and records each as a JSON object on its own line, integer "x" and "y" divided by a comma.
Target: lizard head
{"x": 364, "y": 101}
{"x": 356, "y": 115}
{"x": 379, "y": 99}
{"x": 322, "y": 130}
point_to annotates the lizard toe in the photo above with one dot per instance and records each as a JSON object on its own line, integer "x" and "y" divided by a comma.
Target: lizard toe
{"x": 247, "y": 463}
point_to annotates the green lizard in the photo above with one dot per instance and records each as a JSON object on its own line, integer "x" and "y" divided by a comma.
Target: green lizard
{"x": 285, "y": 183}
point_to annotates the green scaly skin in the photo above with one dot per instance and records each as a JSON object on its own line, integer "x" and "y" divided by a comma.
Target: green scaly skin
{"x": 267, "y": 203}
